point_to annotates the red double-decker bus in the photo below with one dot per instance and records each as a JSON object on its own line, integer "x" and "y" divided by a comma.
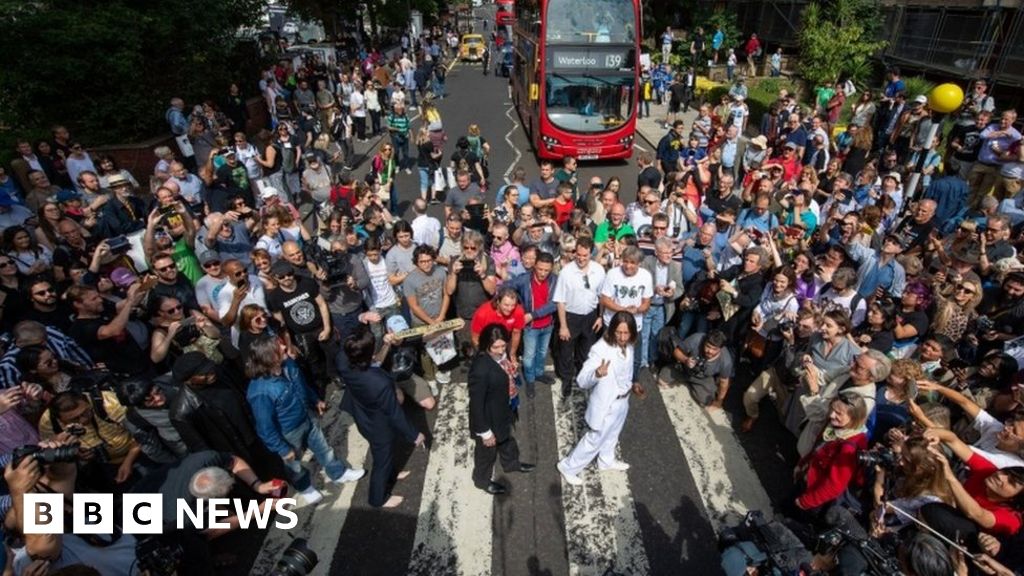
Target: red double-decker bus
{"x": 575, "y": 74}
{"x": 506, "y": 13}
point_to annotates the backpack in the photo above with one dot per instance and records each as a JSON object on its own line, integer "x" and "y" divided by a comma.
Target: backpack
{"x": 440, "y": 72}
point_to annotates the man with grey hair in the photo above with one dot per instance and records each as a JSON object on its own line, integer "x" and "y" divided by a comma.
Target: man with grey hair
{"x": 868, "y": 368}
{"x": 201, "y": 476}
{"x": 628, "y": 288}
{"x": 667, "y": 275}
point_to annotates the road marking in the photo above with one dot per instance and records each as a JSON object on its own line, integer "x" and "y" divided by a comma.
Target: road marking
{"x": 454, "y": 528}
{"x": 340, "y": 430}
{"x": 728, "y": 485}
{"x": 639, "y": 147}
{"x": 601, "y": 528}
{"x": 515, "y": 126}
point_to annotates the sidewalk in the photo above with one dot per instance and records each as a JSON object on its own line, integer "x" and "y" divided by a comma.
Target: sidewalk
{"x": 652, "y": 128}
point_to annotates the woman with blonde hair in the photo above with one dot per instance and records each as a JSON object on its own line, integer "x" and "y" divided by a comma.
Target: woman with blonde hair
{"x": 956, "y": 309}
{"x": 428, "y": 161}
{"x": 434, "y": 124}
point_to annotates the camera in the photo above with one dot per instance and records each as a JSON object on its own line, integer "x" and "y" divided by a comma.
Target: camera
{"x": 297, "y": 560}
{"x": 158, "y": 555}
{"x": 187, "y": 333}
{"x": 44, "y": 455}
{"x": 984, "y": 324}
{"x": 786, "y": 325}
{"x": 881, "y": 456}
{"x": 167, "y": 210}
{"x": 119, "y": 245}
{"x": 336, "y": 265}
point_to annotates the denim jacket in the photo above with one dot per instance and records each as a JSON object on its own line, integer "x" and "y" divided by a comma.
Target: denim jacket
{"x": 280, "y": 404}
{"x": 521, "y": 284}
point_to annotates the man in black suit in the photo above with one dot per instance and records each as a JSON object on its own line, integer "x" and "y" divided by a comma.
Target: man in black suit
{"x": 492, "y": 411}
{"x": 371, "y": 400}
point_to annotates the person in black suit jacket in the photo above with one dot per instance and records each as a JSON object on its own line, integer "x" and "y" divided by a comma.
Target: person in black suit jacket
{"x": 371, "y": 400}
{"x": 491, "y": 414}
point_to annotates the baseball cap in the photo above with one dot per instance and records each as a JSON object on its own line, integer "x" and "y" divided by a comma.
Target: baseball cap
{"x": 68, "y": 196}
{"x": 282, "y": 267}
{"x": 921, "y": 99}
{"x": 209, "y": 256}
{"x": 268, "y": 192}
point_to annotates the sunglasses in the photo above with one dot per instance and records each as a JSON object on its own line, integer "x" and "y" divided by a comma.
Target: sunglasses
{"x": 283, "y": 276}
{"x": 965, "y": 290}
{"x": 44, "y": 292}
{"x": 173, "y": 309}
{"x": 471, "y": 248}
{"x": 6, "y": 263}
{"x": 586, "y": 281}
{"x": 212, "y": 264}
{"x": 168, "y": 267}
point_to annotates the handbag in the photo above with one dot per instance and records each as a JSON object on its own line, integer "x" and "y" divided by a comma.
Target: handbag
{"x": 440, "y": 181}
{"x": 755, "y": 345}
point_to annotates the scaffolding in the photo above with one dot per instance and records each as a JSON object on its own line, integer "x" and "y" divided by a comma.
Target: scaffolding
{"x": 956, "y": 39}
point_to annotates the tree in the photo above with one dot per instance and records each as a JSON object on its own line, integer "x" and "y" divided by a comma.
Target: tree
{"x": 107, "y": 68}
{"x": 834, "y": 40}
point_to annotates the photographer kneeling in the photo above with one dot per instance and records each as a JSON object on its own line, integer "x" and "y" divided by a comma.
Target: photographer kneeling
{"x": 52, "y": 469}
{"x": 780, "y": 379}
{"x": 702, "y": 363}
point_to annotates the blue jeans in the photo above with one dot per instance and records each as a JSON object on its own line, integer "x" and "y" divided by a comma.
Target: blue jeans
{"x": 400, "y": 142}
{"x": 654, "y": 321}
{"x": 728, "y": 72}
{"x": 692, "y": 322}
{"x": 535, "y": 351}
{"x": 426, "y": 181}
{"x": 309, "y": 435}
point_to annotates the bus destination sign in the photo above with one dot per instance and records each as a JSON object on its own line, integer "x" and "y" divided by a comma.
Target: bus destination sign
{"x": 590, "y": 58}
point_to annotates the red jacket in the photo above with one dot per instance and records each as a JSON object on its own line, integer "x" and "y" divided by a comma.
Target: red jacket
{"x": 830, "y": 469}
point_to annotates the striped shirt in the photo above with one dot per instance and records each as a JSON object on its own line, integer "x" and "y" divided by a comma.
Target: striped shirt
{"x": 62, "y": 346}
{"x": 399, "y": 124}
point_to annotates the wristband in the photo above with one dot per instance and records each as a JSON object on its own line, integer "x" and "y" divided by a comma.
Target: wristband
{"x": 254, "y": 483}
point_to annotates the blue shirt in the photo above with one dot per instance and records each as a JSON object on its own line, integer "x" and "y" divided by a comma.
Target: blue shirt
{"x": 764, "y": 223}
{"x": 729, "y": 153}
{"x": 717, "y": 39}
{"x": 872, "y": 273}
{"x": 894, "y": 87}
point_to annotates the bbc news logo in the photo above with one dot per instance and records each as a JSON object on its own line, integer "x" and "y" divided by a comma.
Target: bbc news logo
{"x": 144, "y": 514}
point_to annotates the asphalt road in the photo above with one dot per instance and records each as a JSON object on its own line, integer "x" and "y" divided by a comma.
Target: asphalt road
{"x": 691, "y": 472}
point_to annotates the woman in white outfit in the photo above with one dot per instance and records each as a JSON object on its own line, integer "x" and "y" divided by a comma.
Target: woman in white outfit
{"x": 608, "y": 373}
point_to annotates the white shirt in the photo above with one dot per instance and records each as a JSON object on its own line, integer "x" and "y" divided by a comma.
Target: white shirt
{"x": 247, "y": 156}
{"x": 383, "y": 293}
{"x": 357, "y": 104}
{"x": 989, "y": 428}
{"x": 627, "y": 291}
{"x": 426, "y": 230}
{"x": 571, "y": 289}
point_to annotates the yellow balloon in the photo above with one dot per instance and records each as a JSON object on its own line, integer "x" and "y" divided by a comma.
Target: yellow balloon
{"x": 945, "y": 98}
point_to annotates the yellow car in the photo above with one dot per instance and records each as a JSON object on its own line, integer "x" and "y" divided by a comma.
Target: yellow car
{"x": 471, "y": 47}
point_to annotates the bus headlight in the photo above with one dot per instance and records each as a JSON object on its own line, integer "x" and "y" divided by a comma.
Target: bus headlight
{"x": 550, "y": 142}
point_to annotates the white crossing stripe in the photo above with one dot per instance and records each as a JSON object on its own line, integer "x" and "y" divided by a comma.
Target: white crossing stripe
{"x": 601, "y": 528}
{"x": 727, "y": 483}
{"x": 321, "y": 524}
{"x": 454, "y": 528}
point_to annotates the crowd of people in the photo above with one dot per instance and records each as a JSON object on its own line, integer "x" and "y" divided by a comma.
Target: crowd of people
{"x": 181, "y": 334}
{"x": 878, "y": 317}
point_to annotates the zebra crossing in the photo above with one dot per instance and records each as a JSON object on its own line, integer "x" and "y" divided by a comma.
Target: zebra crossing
{"x": 689, "y": 477}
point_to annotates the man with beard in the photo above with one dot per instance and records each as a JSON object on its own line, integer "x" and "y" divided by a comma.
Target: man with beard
{"x": 1001, "y": 313}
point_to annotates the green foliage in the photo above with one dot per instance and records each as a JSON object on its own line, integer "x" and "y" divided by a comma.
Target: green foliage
{"x": 710, "y": 17}
{"x": 917, "y": 86}
{"x": 107, "y": 69}
{"x": 834, "y": 41}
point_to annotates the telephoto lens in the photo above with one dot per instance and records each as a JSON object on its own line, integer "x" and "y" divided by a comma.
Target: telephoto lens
{"x": 297, "y": 560}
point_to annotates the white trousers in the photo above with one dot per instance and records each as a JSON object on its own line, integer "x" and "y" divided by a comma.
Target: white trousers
{"x": 600, "y": 443}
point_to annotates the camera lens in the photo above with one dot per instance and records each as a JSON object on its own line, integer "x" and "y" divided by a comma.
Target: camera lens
{"x": 297, "y": 560}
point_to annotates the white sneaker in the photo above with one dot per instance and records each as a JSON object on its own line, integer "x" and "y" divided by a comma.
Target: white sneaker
{"x": 444, "y": 377}
{"x": 570, "y": 478}
{"x": 311, "y": 495}
{"x": 617, "y": 465}
{"x": 350, "y": 475}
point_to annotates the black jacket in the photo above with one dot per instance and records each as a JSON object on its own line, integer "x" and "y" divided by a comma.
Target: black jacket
{"x": 488, "y": 398}
{"x": 370, "y": 399}
{"x": 203, "y": 426}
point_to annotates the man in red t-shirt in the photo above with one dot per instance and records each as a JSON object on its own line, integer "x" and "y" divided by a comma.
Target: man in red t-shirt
{"x": 503, "y": 309}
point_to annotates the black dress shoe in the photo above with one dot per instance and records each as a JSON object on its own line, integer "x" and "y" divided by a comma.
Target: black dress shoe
{"x": 526, "y": 468}
{"x": 544, "y": 378}
{"x": 531, "y": 390}
{"x": 495, "y": 489}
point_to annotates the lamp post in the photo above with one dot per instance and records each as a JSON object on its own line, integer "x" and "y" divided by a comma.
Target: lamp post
{"x": 942, "y": 100}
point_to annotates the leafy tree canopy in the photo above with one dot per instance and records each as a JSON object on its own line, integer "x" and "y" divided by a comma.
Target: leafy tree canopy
{"x": 836, "y": 39}
{"x": 107, "y": 68}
